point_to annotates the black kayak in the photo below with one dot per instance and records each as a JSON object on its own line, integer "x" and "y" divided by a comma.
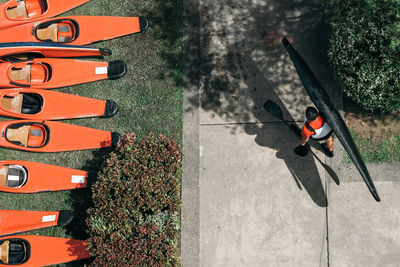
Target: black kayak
{"x": 321, "y": 100}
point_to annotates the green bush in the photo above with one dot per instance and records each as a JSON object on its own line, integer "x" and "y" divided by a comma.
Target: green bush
{"x": 134, "y": 220}
{"x": 365, "y": 50}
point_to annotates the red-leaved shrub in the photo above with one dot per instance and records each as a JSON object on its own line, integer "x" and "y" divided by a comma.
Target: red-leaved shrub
{"x": 134, "y": 220}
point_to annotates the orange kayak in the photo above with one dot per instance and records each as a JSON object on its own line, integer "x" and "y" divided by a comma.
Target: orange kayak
{"x": 52, "y": 136}
{"x": 46, "y": 73}
{"x": 38, "y": 104}
{"x": 18, "y": 176}
{"x": 35, "y": 250}
{"x": 23, "y": 51}
{"x": 17, "y": 221}
{"x": 74, "y": 30}
{"x": 16, "y": 12}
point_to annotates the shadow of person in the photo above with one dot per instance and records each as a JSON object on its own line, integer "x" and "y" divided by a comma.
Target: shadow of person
{"x": 303, "y": 169}
{"x": 279, "y": 137}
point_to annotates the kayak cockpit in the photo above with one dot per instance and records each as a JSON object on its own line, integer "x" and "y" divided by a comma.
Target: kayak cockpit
{"x": 14, "y": 251}
{"x": 25, "y": 9}
{"x": 13, "y": 176}
{"x": 22, "y": 103}
{"x": 26, "y": 74}
{"x": 57, "y": 31}
{"x": 21, "y": 56}
{"x": 28, "y": 134}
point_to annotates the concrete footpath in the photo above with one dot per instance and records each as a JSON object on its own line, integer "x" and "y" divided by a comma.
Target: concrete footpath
{"x": 247, "y": 200}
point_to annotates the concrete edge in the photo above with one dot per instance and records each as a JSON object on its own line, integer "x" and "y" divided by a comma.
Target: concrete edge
{"x": 190, "y": 212}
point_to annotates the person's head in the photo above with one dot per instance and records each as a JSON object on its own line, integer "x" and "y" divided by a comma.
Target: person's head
{"x": 311, "y": 113}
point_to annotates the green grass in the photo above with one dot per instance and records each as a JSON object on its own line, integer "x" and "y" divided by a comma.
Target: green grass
{"x": 149, "y": 97}
{"x": 377, "y": 151}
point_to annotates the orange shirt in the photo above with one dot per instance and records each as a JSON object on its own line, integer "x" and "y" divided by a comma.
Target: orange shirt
{"x": 315, "y": 124}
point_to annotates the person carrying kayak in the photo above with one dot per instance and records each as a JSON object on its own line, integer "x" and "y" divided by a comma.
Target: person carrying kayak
{"x": 317, "y": 129}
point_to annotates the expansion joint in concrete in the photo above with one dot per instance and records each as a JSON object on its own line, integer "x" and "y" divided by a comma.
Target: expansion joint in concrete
{"x": 327, "y": 218}
{"x": 245, "y": 123}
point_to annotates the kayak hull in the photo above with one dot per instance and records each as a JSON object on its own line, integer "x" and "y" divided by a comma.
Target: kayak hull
{"x": 46, "y": 250}
{"x": 20, "y": 50}
{"x": 321, "y": 100}
{"x": 30, "y": 13}
{"x": 38, "y": 104}
{"x": 44, "y": 177}
{"x": 17, "y": 221}
{"x": 47, "y": 73}
{"x": 78, "y": 30}
{"x": 52, "y": 136}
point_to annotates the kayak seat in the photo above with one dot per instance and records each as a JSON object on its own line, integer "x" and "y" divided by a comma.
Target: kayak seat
{"x": 3, "y": 175}
{"x": 18, "y": 74}
{"x": 35, "y": 8}
{"x": 37, "y": 136}
{"x": 17, "y": 253}
{"x": 49, "y": 33}
{"x": 64, "y": 39}
{"x": 38, "y": 73}
{"x": 64, "y": 28}
{"x": 35, "y": 73}
{"x": 12, "y": 103}
{"x": 57, "y": 31}
{"x": 16, "y": 177}
{"x": 4, "y": 251}
{"x": 65, "y": 32}
{"x": 36, "y": 132}
{"x": 17, "y": 12}
{"x": 19, "y": 135}
{"x": 31, "y": 103}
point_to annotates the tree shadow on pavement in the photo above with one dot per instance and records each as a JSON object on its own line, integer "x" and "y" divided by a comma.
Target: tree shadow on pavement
{"x": 243, "y": 64}
{"x": 256, "y": 30}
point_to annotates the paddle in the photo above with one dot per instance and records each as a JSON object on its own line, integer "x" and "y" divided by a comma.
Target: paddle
{"x": 273, "y": 109}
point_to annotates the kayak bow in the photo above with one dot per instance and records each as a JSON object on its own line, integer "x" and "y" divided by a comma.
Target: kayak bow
{"x": 16, "y": 12}
{"x": 75, "y": 30}
{"x": 38, "y": 104}
{"x": 11, "y": 52}
{"x": 321, "y": 100}
{"x": 52, "y": 136}
{"x": 46, "y": 73}
{"x": 17, "y": 176}
{"x": 17, "y": 221}
{"x": 35, "y": 250}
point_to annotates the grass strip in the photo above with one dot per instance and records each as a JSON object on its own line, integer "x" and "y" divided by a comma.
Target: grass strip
{"x": 372, "y": 151}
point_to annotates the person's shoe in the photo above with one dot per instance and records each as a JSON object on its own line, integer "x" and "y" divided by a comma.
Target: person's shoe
{"x": 301, "y": 150}
{"x": 327, "y": 151}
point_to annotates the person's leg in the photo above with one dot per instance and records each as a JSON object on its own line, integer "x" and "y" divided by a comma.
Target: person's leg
{"x": 330, "y": 143}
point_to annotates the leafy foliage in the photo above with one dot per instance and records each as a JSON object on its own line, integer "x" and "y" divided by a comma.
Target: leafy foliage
{"x": 135, "y": 217}
{"x": 364, "y": 51}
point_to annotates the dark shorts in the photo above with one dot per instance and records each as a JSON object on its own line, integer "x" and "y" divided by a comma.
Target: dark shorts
{"x": 323, "y": 138}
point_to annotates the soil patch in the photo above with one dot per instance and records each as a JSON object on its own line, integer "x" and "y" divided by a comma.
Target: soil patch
{"x": 368, "y": 125}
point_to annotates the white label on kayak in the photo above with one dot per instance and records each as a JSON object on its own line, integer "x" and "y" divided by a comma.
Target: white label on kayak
{"x": 78, "y": 179}
{"x": 13, "y": 177}
{"x": 101, "y": 70}
{"x": 49, "y": 218}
